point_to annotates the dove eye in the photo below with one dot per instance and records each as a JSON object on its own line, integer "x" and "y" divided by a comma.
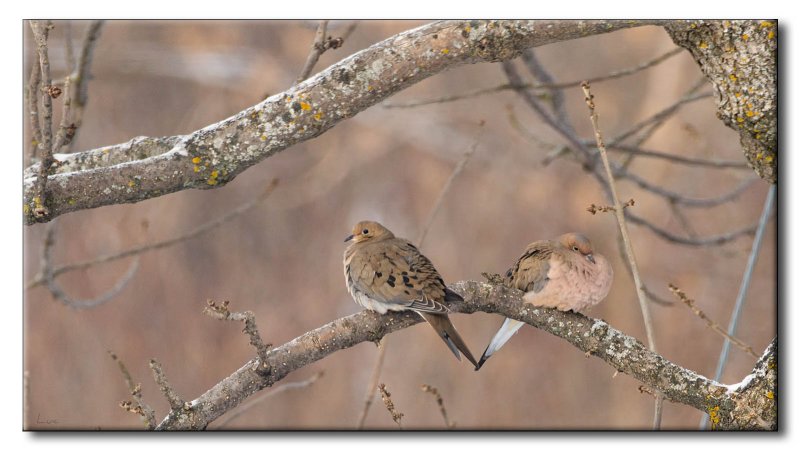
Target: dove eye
{"x": 365, "y": 231}
{"x": 575, "y": 248}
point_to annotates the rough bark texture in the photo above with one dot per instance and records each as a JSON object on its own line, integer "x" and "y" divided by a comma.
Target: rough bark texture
{"x": 149, "y": 167}
{"x": 750, "y": 404}
{"x": 739, "y": 58}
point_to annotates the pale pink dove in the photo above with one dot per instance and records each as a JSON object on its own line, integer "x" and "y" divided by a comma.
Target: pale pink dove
{"x": 564, "y": 274}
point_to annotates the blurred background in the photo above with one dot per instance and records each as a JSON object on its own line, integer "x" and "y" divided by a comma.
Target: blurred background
{"x": 283, "y": 258}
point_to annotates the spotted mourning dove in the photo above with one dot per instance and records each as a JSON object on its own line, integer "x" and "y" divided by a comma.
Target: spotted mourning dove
{"x": 564, "y": 274}
{"x": 385, "y": 273}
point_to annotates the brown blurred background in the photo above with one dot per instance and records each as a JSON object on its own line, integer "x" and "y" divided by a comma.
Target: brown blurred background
{"x": 282, "y": 260}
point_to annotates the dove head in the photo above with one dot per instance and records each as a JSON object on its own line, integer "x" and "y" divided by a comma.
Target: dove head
{"x": 367, "y": 231}
{"x": 579, "y": 244}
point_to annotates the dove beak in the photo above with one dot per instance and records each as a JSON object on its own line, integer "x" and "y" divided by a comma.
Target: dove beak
{"x": 349, "y": 238}
{"x": 590, "y": 257}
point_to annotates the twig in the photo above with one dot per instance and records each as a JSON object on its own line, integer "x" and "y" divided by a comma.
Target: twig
{"x": 718, "y": 239}
{"x": 34, "y": 91}
{"x": 446, "y": 187}
{"x": 221, "y": 312}
{"x": 59, "y": 293}
{"x": 678, "y": 159}
{"x": 373, "y": 382}
{"x": 594, "y": 209}
{"x": 748, "y": 273}
{"x": 269, "y": 394}
{"x": 175, "y": 402}
{"x": 439, "y": 401}
{"x": 387, "y": 401}
{"x": 81, "y": 76}
{"x": 141, "y": 408}
{"x": 710, "y": 323}
{"x": 317, "y": 49}
{"x": 378, "y": 366}
{"x": 643, "y": 302}
{"x": 40, "y": 33}
{"x": 676, "y": 198}
{"x": 204, "y": 228}
{"x": 545, "y": 85}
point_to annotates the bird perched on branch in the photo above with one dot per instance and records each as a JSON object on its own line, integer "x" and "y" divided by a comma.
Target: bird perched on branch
{"x": 563, "y": 273}
{"x": 386, "y": 273}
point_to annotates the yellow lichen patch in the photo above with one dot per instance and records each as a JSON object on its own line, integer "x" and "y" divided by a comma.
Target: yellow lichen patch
{"x": 703, "y": 45}
{"x": 768, "y": 159}
{"x": 131, "y": 184}
{"x": 72, "y": 201}
{"x": 740, "y": 119}
{"x": 212, "y": 180}
{"x": 738, "y": 94}
{"x": 196, "y": 159}
{"x": 445, "y": 51}
{"x": 263, "y": 137}
{"x": 732, "y": 77}
{"x": 771, "y": 35}
{"x": 713, "y": 414}
{"x": 369, "y": 88}
{"x": 318, "y": 116}
{"x": 759, "y": 156}
{"x": 26, "y": 209}
{"x": 305, "y": 106}
{"x": 765, "y": 24}
{"x": 468, "y": 29}
{"x": 746, "y": 37}
{"x": 770, "y": 395}
{"x": 196, "y": 169}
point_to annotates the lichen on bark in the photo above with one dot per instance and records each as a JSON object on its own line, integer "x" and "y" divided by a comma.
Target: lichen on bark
{"x": 739, "y": 59}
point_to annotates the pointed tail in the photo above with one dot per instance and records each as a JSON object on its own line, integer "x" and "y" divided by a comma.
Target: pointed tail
{"x": 445, "y": 329}
{"x": 508, "y": 329}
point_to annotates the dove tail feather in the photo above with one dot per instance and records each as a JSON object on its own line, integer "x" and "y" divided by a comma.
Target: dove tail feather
{"x": 445, "y": 329}
{"x": 508, "y": 329}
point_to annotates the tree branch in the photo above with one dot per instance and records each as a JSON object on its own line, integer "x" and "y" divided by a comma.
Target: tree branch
{"x": 623, "y": 352}
{"x": 216, "y": 154}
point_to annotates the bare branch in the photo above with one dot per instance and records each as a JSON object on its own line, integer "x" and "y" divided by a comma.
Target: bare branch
{"x": 175, "y": 402}
{"x": 674, "y": 197}
{"x": 439, "y": 401}
{"x": 623, "y": 229}
{"x": 81, "y": 76}
{"x": 269, "y": 394}
{"x": 713, "y": 240}
{"x": 202, "y": 229}
{"x": 586, "y": 334}
{"x": 34, "y": 92}
{"x": 317, "y": 48}
{"x": 48, "y": 277}
{"x": 216, "y": 154}
{"x": 546, "y": 85}
{"x": 37, "y": 203}
{"x": 140, "y": 408}
{"x": 689, "y": 161}
{"x": 377, "y": 367}
{"x": 710, "y": 323}
{"x": 221, "y": 312}
{"x": 387, "y": 401}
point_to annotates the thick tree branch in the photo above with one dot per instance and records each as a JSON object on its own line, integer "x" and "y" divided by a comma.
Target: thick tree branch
{"x": 750, "y": 404}
{"x": 210, "y": 157}
{"x": 739, "y": 57}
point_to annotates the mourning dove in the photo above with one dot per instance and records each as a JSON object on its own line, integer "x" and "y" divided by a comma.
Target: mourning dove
{"x": 385, "y": 273}
{"x": 564, "y": 274}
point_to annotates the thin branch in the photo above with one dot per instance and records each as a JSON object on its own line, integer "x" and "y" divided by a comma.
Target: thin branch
{"x": 82, "y": 74}
{"x": 439, "y": 401}
{"x": 387, "y": 401}
{"x": 175, "y": 402}
{"x": 545, "y": 85}
{"x": 204, "y": 228}
{"x": 678, "y": 159}
{"x": 745, "y": 285}
{"x": 59, "y": 293}
{"x": 377, "y": 367}
{"x": 676, "y": 198}
{"x": 34, "y": 92}
{"x": 620, "y": 215}
{"x": 199, "y": 160}
{"x": 267, "y": 395}
{"x": 40, "y": 32}
{"x": 317, "y": 49}
{"x": 597, "y": 337}
{"x": 221, "y": 312}
{"x": 710, "y": 323}
{"x": 141, "y": 408}
{"x": 713, "y": 240}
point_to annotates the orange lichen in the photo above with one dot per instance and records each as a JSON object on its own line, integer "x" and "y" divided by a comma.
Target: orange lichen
{"x": 197, "y": 159}
{"x": 445, "y": 51}
{"x": 305, "y": 106}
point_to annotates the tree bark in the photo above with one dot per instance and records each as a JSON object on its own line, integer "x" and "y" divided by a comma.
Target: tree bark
{"x": 750, "y": 404}
{"x": 739, "y": 58}
{"x": 149, "y": 167}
